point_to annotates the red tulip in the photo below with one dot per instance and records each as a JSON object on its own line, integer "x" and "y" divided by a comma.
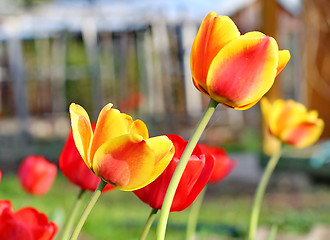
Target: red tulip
{"x": 25, "y": 224}
{"x": 37, "y": 174}
{"x": 75, "y": 169}
{"x": 223, "y": 165}
{"x": 194, "y": 178}
{"x": 0, "y": 175}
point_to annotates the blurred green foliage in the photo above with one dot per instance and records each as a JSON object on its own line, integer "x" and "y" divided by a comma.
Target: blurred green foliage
{"x": 121, "y": 215}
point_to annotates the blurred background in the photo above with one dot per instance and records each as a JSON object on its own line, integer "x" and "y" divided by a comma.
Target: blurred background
{"x": 136, "y": 54}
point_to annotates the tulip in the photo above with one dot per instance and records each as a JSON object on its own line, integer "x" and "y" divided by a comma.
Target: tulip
{"x": 75, "y": 169}
{"x": 196, "y": 175}
{"x": 26, "y": 223}
{"x": 233, "y": 69}
{"x": 291, "y": 123}
{"x": 223, "y": 165}
{"x": 119, "y": 150}
{"x": 36, "y": 174}
{"x": 0, "y": 175}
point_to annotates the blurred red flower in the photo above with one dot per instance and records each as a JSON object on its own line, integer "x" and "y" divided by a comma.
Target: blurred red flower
{"x": 0, "y": 175}
{"x": 132, "y": 103}
{"x": 223, "y": 165}
{"x": 194, "y": 178}
{"x": 36, "y": 174}
{"x": 75, "y": 169}
{"x": 25, "y": 224}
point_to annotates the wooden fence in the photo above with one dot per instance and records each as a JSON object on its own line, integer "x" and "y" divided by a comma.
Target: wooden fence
{"x": 143, "y": 70}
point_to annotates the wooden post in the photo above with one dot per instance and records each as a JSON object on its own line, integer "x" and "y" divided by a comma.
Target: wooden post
{"x": 58, "y": 73}
{"x": 108, "y": 74}
{"x": 16, "y": 63}
{"x": 317, "y": 58}
{"x": 144, "y": 73}
{"x": 89, "y": 33}
{"x": 162, "y": 59}
{"x": 193, "y": 96}
{"x": 269, "y": 26}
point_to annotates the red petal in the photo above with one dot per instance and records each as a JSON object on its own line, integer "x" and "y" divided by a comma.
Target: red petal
{"x": 243, "y": 71}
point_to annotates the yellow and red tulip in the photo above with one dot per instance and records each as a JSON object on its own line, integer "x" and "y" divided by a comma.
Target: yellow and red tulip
{"x": 233, "y": 69}
{"x": 119, "y": 150}
{"x": 291, "y": 123}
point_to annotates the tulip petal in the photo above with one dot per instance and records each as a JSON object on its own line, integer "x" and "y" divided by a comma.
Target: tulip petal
{"x": 31, "y": 217}
{"x": 154, "y": 193}
{"x": 15, "y": 230}
{"x": 265, "y": 106}
{"x": 163, "y": 149}
{"x": 74, "y": 168}
{"x": 5, "y": 204}
{"x": 283, "y": 58}
{"x": 214, "y": 33}
{"x": 182, "y": 192}
{"x": 126, "y": 162}
{"x": 111, "y": 123}
{"x": 179, "y": 144}
{"x": 139, "y": 127}
{"x": 82, "y": 130}
{"x": 223, "y": 165}
{"x": 34, "y": 220}
{"x": 244, "y": 70}
{"x": 243, "y": 107}
{"x": 201, "y": 181}
{"x": 286, "y": 115}
{"x": 26, "y": 223}
{"x": 304, "y": 134}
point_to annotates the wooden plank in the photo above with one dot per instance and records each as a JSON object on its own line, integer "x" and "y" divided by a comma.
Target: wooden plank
{"x": 193, "y": 97}
{"x": 58, "y": 73}
{"x": 16, "y": 64}
{"x": 317, "y": 58}
{"x": 90, "y": 34}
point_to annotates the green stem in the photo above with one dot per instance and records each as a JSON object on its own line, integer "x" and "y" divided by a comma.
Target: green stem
{"x": 161, "y": 228}
{"x": 260, "y": 194}
{"x": 272, "y": 233}
{"x": 148, "y": 224}
{"x": 193, "y": 216}
{"x": 72, "y": 216}
{"x": 87, "y": 210}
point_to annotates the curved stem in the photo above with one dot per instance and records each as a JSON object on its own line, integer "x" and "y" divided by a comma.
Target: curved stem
{"x": 193, "y": 216}
{"x": 148, "y": 224}
{"x": 272, "y": 233}
{"x": 87, "y": 210}
{"x": 72, "y": 216}
{"x": 260, "y": 193}
{"x": 161, "y": 228}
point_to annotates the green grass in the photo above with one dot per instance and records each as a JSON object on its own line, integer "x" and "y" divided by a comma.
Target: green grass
{"x": 121, "y": 216}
